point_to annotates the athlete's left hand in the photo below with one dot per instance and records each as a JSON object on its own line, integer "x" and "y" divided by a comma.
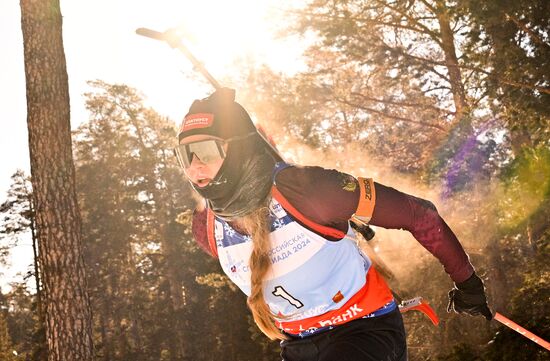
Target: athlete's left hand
{"x": 469, "y": 297}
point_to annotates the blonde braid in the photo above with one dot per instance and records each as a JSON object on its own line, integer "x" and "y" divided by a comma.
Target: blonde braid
{"x": 256, "y": 225}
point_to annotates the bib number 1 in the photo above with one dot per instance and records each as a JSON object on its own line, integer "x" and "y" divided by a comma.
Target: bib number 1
{"x": 281, "y": 292}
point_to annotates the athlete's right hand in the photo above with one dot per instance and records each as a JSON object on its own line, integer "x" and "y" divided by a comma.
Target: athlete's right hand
{"x": 469, "y": 297}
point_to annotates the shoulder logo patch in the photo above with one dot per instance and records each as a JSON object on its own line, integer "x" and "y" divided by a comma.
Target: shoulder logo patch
{"x": 348, "y": 183}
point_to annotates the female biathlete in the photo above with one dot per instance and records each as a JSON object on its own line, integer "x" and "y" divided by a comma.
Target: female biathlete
{"x": 282, "y": 234}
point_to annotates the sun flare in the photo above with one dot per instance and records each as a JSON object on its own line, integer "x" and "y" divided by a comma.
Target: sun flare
{"x": 221, "y": 33}
{"x": 225, "y": 36}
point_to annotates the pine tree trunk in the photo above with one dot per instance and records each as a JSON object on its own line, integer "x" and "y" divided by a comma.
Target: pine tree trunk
{"x": 58, "y": 223}
{"x": 451, "y": 61}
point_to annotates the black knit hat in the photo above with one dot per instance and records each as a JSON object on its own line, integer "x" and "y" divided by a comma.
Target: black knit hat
{"x": 217, "y": 115}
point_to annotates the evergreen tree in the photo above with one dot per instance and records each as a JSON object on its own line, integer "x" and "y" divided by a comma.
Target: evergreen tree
{"x": 7, "y": 351}
{"x": 19, "y": 221}
{"x": 17, "y": 207}
{"x": 512, "y": 51}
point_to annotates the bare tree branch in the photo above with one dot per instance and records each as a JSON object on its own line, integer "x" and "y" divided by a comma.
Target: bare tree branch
{"x": 423, "y": 28}
{"x": 391, "y": 116}
{"x": 400, "y": 104}
{"x": 536, "y": 37}
{"x": 545, "y": 90}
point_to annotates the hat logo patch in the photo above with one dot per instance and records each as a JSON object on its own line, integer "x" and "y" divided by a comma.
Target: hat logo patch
{"x": 194, "y": 121}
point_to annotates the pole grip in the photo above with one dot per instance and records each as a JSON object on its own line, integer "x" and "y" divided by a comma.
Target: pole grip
{"x": 153, "y": 34}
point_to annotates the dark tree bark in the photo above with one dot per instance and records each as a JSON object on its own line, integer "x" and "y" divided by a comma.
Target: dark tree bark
{"x": 58, "y": 222}
{"x": 451, "y": 62}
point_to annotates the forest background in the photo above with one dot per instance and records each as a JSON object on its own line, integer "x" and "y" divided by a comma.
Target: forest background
{"x": 447, "y": 100}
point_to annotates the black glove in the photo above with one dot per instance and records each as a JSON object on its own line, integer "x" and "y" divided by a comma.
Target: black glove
{"x": 469, "y": 297}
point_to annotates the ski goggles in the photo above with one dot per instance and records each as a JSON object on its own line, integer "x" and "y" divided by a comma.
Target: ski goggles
{"x": 207, "y": 151}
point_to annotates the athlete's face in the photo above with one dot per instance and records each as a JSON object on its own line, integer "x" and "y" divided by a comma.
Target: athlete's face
{"x": 204, "y": 156}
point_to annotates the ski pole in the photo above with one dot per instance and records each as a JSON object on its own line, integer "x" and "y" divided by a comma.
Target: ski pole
{"x": 522, "y": 331}
{"x": 171, "y": 37}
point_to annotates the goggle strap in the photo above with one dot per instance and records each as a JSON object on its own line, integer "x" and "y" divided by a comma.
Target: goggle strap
{"x": 241, "y": 137}
{"x": 220, "y": 149}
